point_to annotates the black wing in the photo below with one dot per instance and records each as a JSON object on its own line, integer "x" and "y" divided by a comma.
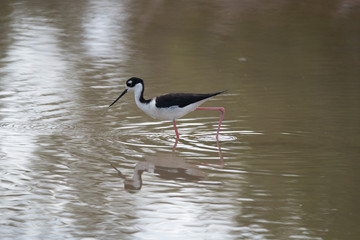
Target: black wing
{"x": 181, "y": 99}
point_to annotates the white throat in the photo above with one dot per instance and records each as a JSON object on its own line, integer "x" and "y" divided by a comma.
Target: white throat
{"x": 138, "y": 88}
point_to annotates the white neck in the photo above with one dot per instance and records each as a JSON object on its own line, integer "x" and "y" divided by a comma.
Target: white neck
{"x": 138, "y": 89}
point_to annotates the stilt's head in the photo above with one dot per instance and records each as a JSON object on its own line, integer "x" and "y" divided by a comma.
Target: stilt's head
{"x": 132, "y": 84}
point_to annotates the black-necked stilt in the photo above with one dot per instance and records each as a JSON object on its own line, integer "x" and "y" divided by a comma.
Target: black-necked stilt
{"x": 169, "y": 106}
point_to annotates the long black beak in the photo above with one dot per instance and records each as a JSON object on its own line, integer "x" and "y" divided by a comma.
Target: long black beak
{"x": 119, "y": 97}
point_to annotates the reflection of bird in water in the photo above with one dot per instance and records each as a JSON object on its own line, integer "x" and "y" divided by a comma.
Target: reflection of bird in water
{"x": 170, "y": 106}
{"x": 165, "y": 166}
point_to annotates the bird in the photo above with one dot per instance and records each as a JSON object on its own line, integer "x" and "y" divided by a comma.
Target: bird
{"x": 170, "y": 106}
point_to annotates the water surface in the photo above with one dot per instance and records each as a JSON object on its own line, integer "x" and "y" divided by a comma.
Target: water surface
{"x": 286, "y": 165}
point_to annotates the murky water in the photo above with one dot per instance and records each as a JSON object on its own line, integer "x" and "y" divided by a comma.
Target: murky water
{"x": 286, "y": 165}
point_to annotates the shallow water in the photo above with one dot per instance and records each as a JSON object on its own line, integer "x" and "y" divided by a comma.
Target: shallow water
{"x": 286, "y": 165}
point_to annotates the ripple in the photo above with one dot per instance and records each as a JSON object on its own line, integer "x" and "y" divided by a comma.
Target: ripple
{"x": 70, "y": 165}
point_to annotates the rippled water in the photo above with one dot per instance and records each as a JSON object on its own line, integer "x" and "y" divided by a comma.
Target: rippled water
{"x": 286, "y": 165}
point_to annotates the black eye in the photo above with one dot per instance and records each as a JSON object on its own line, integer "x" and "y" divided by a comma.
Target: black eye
{"x": 129, "y": 83}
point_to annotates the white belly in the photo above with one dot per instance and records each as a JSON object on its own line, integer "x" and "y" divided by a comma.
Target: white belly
{"x": 170, "y": 113}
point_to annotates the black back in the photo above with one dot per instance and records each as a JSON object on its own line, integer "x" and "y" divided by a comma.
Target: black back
{"x": 181, "y": 99}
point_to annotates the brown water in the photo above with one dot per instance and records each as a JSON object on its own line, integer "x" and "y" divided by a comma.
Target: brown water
{"x": 286, "y": 165}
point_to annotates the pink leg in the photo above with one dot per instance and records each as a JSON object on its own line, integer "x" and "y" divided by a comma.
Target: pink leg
{"x": 174, "y": 147}
{"x": 176, "y": 131}
{"x": 222, "y": 110}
